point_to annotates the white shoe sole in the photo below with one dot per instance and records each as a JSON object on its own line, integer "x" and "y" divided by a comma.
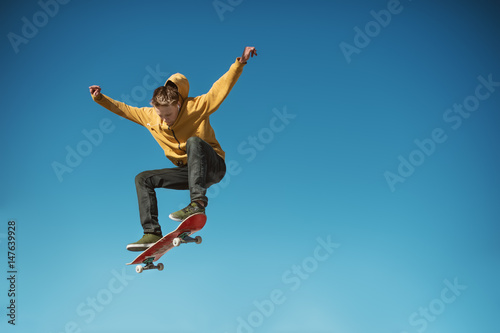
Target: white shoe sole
{"x": 139, "y": 247}
{"x": 174, "y": 218}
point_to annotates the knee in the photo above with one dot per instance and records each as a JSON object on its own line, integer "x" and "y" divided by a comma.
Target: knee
{"x": 141, "y": 179}
{"x": 194, "y": 140}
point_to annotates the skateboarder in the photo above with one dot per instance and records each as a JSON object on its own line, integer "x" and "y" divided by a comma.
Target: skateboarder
{"x": 181, "y": 126}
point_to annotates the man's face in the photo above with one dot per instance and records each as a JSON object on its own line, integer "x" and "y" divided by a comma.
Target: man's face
{"x": 168, "y": 114}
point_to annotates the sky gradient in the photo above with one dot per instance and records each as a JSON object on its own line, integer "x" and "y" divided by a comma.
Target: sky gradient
{"x": 362, "y": 186}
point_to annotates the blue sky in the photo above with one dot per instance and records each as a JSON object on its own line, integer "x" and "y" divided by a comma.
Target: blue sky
{"x": 362, "y": 193}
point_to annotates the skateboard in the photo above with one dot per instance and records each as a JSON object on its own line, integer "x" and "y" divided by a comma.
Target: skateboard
{"x": 177, "y": 237}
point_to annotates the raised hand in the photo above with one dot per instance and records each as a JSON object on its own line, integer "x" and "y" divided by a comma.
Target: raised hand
{"x": 95, "y": 90}
{"x": 248, "y": 52}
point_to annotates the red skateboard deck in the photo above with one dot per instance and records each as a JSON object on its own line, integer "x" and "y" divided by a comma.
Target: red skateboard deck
{"x": 180, "y": 235}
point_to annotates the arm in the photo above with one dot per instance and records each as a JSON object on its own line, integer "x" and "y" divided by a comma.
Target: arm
{"x": 211, "y": 101}
{"x": 134, "y": 114}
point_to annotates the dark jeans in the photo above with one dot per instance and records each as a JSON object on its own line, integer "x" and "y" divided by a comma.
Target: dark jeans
{"x": 204, "y": 168}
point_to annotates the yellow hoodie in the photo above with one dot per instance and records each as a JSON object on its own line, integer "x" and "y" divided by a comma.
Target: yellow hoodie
{"x": 193, "y": 118}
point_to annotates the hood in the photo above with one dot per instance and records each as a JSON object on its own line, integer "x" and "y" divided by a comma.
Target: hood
{"x": 182, "y": 84}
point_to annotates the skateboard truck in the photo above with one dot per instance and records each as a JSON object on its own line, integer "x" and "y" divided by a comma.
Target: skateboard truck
{"x": 185, "y": 238}
{"x": 148, "y": 265}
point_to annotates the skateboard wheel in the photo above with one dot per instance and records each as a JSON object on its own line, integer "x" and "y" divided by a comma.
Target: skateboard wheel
{"x": 197, "y": 239}
{"x": 160, "y": 266}
{"x": 176, "y": 241}
{"x": 138, "y": 269}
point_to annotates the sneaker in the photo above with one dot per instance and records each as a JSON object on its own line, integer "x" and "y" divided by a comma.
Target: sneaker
{"x": 144, "y": 243}
{"x": 192, "y": 208}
